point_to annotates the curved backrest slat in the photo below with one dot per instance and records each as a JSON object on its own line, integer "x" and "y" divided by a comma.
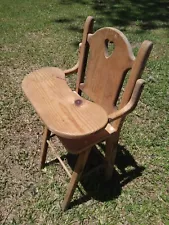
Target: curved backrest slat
{"x": 101, "y": 74}
{"x": 105, "y": 73}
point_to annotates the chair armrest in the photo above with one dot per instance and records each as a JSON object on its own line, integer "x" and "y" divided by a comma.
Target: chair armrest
{"x": 74, "y": 69}
{"x": 132, "y": 102}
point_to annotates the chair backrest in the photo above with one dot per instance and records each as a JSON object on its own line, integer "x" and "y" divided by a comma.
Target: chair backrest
{"x": 101, "y": 75}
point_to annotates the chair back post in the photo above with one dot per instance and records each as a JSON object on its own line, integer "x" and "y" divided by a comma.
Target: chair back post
{"x": 135, "y": 74}
{"x": 84, "y": 50}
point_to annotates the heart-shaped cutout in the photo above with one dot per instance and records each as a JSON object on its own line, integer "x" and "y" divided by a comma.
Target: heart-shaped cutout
{"x": 109, "y": 48}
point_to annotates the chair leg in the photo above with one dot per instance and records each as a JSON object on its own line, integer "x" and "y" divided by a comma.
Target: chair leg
{"x": 110, "y": 155}
{"x": 80, "y": 164}
{"x": 44, "y": 147}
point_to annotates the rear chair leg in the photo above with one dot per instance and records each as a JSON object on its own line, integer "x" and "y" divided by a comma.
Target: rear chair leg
{"x": 80, "y": 164}
{"x": 44, "y": 147}
{"x": 110, "y": 155}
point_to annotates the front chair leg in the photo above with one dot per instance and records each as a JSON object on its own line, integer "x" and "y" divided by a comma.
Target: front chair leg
{"x": 80, "y": 164}
{"x": 44, "y": 147}
{"x": 110, "y": 155}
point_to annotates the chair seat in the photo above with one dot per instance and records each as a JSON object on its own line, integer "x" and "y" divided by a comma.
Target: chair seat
{"x": 76, "y": 146}
{"x": 63, "y": 111}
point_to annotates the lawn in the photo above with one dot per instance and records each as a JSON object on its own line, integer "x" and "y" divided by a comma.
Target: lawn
{"x": 39, "y": 33}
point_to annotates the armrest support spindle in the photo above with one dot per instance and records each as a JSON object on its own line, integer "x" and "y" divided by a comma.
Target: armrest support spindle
{"x": 131, "y": 104}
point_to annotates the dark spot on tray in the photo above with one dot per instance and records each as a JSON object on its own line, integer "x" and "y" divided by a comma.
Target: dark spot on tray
{"x": 78, "y": 102}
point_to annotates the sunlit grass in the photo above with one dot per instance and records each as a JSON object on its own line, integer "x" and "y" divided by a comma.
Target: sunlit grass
{"x": 47, "y": 33}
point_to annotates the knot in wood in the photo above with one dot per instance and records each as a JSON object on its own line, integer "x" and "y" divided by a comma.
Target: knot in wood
{"x": 78, "y": 102}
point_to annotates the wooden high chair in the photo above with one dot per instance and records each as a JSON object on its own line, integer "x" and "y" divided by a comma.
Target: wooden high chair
{"x": 77, "y": 122}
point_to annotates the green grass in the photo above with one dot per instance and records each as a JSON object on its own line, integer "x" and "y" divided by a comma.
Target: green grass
{"x": 42, "y": 33}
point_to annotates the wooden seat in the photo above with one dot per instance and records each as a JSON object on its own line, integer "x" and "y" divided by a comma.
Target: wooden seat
{"x": 79, "y": 123}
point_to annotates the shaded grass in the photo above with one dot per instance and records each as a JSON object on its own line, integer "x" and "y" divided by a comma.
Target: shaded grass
{"x": 41, "y": 33}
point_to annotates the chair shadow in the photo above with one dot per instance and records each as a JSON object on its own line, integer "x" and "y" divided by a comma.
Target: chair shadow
{"x": 95, "y": 185}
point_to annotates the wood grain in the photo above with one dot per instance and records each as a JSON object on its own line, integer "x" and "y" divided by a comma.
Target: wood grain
{"x": 80, "y": 164}
{"x": 84, "y": 50}
{"x": 105, "y": 75}
{"x": 134, "y": 82}
{"x": 44, "y": 146}
{"x": 63, "y": 112}
{"x": 76, "y": 146}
